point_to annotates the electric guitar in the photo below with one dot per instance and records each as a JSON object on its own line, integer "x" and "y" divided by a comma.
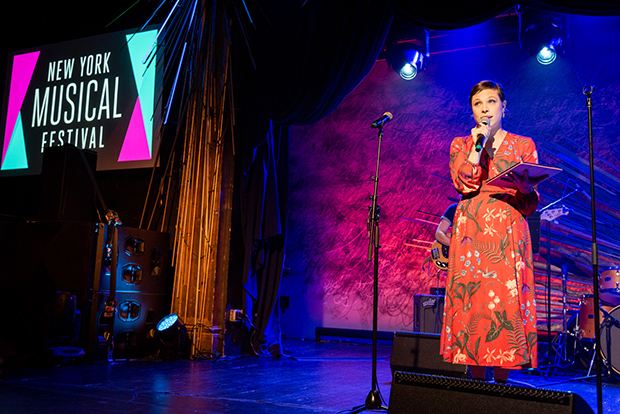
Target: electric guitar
{"x": 439, "y": 255}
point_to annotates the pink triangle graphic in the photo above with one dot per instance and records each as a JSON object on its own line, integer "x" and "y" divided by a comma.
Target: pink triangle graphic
{"x": 23, "y": 68}
{"x": 135, "y": 147}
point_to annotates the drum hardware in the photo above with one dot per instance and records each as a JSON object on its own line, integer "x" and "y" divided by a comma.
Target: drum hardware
{"x": 561, "y": 343}
{"x": 564, "y": 274}
{"x": 575, "y": 345}
{"x": 549, "y": 215}
{"x": 568, "y": 346}
{"x": 606, "y": 334}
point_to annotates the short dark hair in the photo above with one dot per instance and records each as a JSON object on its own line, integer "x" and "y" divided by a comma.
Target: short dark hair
{"x": 487, "y": 84}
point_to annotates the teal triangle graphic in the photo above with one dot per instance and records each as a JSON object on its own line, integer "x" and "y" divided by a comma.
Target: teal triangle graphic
{"x": 139, "y": 45}
{"x": 16, "y": 152}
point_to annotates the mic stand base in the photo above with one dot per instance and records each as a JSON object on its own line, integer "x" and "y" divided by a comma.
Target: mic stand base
{"x": 373, "y": 402}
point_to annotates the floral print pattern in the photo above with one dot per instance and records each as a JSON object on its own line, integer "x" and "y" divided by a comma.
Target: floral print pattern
{"x": 490, "y": 308}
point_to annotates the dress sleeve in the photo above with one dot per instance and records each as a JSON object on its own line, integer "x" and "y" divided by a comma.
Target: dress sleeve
{"x": 527, "y": 203}
{"x": 465, "y": 175}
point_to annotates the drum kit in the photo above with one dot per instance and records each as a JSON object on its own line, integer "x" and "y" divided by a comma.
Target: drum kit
{"x": 579, "y": 335}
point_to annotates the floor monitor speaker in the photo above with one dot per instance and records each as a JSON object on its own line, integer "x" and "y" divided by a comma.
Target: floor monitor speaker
{"x": 419, "y": 352}
{"x": 415, "y": 393}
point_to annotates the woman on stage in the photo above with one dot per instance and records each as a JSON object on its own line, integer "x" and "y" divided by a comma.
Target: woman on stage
{"x": 490, "y": 308}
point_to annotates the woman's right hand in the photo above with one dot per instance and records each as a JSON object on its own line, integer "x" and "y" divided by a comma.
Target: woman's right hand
{"x": 481, "y": 129}
{"x": 474, "y": 156}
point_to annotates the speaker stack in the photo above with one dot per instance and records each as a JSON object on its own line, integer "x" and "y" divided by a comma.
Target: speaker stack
{"x": 141, "y": 292}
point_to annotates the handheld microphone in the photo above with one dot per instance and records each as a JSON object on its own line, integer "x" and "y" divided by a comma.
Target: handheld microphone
{"x": 480, "y": 139}
{"x": 385, "y": 118}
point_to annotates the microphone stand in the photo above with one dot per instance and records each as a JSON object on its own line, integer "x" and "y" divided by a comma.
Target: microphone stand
{"x": 373, "y": 399}
{"x": 597, "y": 305}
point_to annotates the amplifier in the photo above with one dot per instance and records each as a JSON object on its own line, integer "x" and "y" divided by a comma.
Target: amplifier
{"x": 427, "y": 313}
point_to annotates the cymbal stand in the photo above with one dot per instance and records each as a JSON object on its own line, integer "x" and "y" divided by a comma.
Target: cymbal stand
{"x": 560, "y": 342}
{"x": 558, "y": 337}
{"x": 564, "y": 327}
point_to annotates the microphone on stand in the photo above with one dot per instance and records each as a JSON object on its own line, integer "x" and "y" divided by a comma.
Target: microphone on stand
{"x": 480, "y": 138}
{"x": 385, "y": 118}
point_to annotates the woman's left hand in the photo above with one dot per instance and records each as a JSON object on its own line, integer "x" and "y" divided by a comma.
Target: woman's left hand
{"x": 524, "y": 183}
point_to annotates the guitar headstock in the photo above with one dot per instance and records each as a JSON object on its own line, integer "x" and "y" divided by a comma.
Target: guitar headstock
{"x": 553, "y": 213}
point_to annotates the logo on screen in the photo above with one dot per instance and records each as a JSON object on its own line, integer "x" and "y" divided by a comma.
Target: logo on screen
{"x": 97, "y": 94}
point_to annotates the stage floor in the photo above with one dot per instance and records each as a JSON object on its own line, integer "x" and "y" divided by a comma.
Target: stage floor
{"x": 333, "y": 376}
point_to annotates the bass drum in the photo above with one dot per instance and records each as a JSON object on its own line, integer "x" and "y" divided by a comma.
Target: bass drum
{"x": 610, "y": 339}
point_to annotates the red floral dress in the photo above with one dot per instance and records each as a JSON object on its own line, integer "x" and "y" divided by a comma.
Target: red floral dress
{"x": 490, "y": 310}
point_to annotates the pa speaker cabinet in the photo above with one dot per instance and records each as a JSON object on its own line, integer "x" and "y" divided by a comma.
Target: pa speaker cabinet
{"x": 427, "y": 313}
{"x": 419, "y": 352}
{"x": 136, "y": 315}
{"x": 414, "y": 393}
{"x": 142, "y": 261}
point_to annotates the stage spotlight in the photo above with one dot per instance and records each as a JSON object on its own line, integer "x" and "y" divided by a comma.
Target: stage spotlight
{"x": 168, "y": 323}
{"x": 171, "y": 335}
{"x": 544, "y": 39}
{"x": 414, "y": 62}
{"x": 408, "y": 58}
{"x": 546, "y": 55}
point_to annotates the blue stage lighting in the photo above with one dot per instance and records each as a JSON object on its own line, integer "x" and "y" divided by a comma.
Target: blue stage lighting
{"x": 171, "y": 334}
{"x": 544, "y": 40}
{"x": 167, "y": 322}
{"x": 546, "y": 55}
{"x": 408, "y": 58}
{"x": 414, "y": 63}
{"x": 408, "y": 71}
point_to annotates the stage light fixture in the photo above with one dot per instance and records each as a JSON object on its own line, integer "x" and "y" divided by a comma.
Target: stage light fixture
{"x": 547, "y": 54}
{"x": 408, "y": 58}
{"x": 544, "y": 39}
{"x": 414, "y": 62}
{"x": 172, "y": 336}
{"x": 168, "y": 323}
